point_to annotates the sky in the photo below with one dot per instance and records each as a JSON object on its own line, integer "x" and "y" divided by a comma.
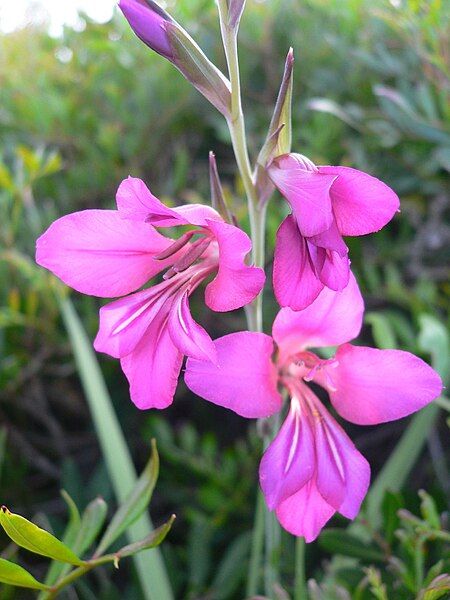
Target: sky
{"x": 15, "y": 13}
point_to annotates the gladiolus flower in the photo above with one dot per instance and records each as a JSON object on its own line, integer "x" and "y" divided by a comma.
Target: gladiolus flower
{"x": 312, "y": 469}
{"x": 327, "y": 203}
{"x": 109, "y": 253}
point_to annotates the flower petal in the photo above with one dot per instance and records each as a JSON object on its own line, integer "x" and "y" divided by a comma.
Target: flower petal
{"x": 125, "y": 321}
{"x": 330, "y": 239}
{"x": 289, "y": 462}
{"x": 354, "y": 465}
{"x": 335, "y": 269}
{"x": 294, "y": 281}
{"x": 148, "y": 25}
{"x": 361, "y": 203}
{"x": 244, "y": 378}
{"x": 136, "y": 202}
{"x": 332, "y": 319}
{"x": 307, "y": 191}
{"x": 343, "y": 474}
{"x": 187, "y": 335}
{"x": 236, "y": 284}
{"x": 375, "y": 386}
{"x": 305, "y": 513}
{"x": 96, "y": 252}
{"x": 153, "y": 367}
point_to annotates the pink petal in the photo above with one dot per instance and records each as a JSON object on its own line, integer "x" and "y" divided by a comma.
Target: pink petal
{"x": 361, "y": 203}
{"x": 355, "y": 467}
{"x": 308, "y": 193}
{"x": 153, "y": 367}
{"x": 236, "y": 284}
{"x": 289, "y": 462}
{"x": 244, "y": 378}
{"x": 294, "y": 281}
{"x": 305, "y": 513}
{"x": 97, "y": 253}
{"x": 332, "y": 319}
{"x": 330, "y": 239}
{"x": 335, "y": 269}
{"x": 343, "y": 474}
{"x": 124, "y": 322}
{"x": 376, "y": 386}
{"x": 136, "y": 202}
{"x": 187, "y": 335}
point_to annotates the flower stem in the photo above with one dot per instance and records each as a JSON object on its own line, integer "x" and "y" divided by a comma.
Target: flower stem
{"x": 300, "y": 591}
{"x": 266, "y": 528}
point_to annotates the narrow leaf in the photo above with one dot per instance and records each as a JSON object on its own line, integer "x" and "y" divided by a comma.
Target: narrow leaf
{"x": 134, "y": 505}
{"x": 151, "y": 541}
{"x": 149, "y": 565}
{"x": 31, "y": 537}
{"x": 217, "y": 198}
{"x": 235, "y": 10}
{"x": 13, "y": 574}
{"x": 338, "y": 541}
{"x": 91, "y": 522}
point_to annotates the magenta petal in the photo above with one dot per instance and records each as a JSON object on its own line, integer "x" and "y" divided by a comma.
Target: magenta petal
{"x": 187, "y": 335}
{"x": 353, "y": 464}
{"x": 125, "y": 321}
{"x": 308, "y": 193}
{"x": 343, "y": 474}
{"x": 361, "y": 203}
{"x": 376, "y": 386}
{"x": 236, "y": 284}
{"x": 148, "y": 25}
{"x": 153, "y": 367}
{"x": 333, "y": 270}
{"x": 289, "y": 462}
{"x": 136, "y": 202}
{"x": 332, "y": 319}
{"x": 305, "y": 513}
{"x": 98, "y": 253}
{"x": 294, "y": 281}
{"x": 244, "y": 378}
{"x": 330, "y": 239}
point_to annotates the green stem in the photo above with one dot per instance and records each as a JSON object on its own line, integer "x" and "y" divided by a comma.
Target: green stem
{"x": 257, "y": 547}
{"x": 79, "y": 572}
{"x": 300, "y": 591}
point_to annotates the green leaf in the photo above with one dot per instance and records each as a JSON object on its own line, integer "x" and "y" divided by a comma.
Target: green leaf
{"x": 134, "y": 505}
{"x": 150, "y": 566}
{"x": 339, "y": 541}
{"x": 391, "y": 504}
{"x": 438, "y": 588}
{"x": 382, "y": 331}
{"x": 91, "y": 522}
{"x": 429, "y": 510}
{"x": 31, "y": 537}
{"x": 58, "y": 569}
{"x": 434, "y": 339}
{"x": 13, "y": 574}
{"x": 232, "y": 568}
{"x": 151, "y": 541}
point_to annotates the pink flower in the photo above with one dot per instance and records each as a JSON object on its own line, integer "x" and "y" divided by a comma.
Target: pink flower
{"x": 312, "y": 469}
{"x": 110, "y": 253}
{"x": 327, "y": 203}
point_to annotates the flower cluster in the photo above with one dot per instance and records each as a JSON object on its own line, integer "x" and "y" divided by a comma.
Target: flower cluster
{"x": 311, "y": 469}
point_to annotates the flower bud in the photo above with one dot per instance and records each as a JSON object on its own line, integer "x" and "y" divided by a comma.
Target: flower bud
{"x": 164, "y": 35}
{"x": 148, "y": 21}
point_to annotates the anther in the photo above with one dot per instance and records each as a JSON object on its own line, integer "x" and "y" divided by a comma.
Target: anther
{"x": 189, "y": 258}
{"x": 177, "y": 245}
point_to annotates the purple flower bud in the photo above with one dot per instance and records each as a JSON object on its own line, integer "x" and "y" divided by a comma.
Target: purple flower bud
{"x": 148, "y": 22}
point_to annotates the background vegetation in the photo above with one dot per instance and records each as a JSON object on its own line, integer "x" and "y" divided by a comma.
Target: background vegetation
{"x": 80, "y": 113}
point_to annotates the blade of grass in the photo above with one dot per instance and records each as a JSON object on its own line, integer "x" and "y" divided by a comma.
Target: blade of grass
{"x": 149, "y": 565}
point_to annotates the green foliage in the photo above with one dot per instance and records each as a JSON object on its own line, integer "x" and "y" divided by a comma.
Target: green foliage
{"x": 81, "y": 533}
{"x": 81, "y": 112}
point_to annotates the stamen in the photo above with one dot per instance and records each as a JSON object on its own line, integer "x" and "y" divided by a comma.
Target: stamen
{"x": 189, "y": 258}
{"x": 177, "y": 245}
